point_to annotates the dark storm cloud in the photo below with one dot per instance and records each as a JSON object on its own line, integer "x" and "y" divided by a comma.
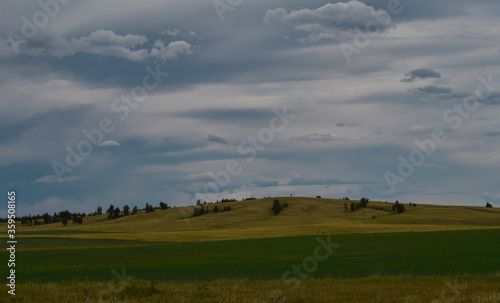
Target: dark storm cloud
{"x": 223, "y": 114}
{"x": 430, "y": 89}
{"x": 216, "y": 139}
{"x": 493, "y": 99}
{"x": 492, "y": 133}
{"x": 421, "y": 73}
{"x": 92, "y": 56}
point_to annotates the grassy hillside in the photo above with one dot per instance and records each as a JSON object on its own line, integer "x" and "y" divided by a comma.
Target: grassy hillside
{"x": 253, "y": 219}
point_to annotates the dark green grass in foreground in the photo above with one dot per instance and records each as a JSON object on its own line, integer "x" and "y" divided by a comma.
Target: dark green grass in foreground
{"x": 60, "y": 243}
{"x": 423, "y": 253}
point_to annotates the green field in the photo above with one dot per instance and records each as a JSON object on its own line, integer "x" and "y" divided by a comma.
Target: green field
{"x": 242, "y": 255}
{"x": 360, "y": 255}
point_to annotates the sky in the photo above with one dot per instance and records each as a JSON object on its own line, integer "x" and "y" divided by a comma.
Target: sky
{"x": 126, "y": 102}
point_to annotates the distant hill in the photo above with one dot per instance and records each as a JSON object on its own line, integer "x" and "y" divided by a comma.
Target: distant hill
{"x": 254, "y": 219}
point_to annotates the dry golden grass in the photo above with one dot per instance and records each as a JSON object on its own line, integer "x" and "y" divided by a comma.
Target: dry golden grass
{"x": 463, "y": 289}
{"x": 253, "y": 219}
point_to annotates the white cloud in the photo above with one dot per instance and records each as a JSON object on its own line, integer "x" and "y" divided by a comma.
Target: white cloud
{"x": 192, "y": 33}
{"x": 171, "y": 51}
{"x": 172, "y": 33}
{"x": 330, "y": 20}
{"x": 50, "y": 179}
{"x": 109, "y": 143}
{"x": 103, "y": 43}
{"x": 107, "y": 43}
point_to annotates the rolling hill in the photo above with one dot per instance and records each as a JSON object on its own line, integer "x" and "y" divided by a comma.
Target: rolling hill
{"x": 254, "y": 219}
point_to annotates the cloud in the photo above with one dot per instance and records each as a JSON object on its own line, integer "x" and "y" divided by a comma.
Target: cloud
{"x": 214, "y": 138}
{"x": 322, "y": 181}
{"x": 264, "y": 183}
{"x": 49, "y": 179}
{"x": 171, "y": 51}
{"x": 107, "y": 43}
{"x": 109, "y": 143}
{"x": 492, "y": 133}
{"x": 193, "y": 34}
{"x": 172, "y": 33}
{"x": 494, "y": 99}
{"x": 421, "y": 73}
{"x": 224, "y": 114}
{"x": 347, "y": 124}
{"x": 430, "y": 89}
{"x": 328, "y": 21}
{"x": 176, "y": 32}
{"x": 315, "y": 137}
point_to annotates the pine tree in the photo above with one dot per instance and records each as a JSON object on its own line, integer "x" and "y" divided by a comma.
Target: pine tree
{"x": 276, "y": 207}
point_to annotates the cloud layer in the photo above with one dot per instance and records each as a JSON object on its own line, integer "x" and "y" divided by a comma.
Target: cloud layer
{"x": 331, "y": 20}
{"x": 221, "y": 109}
{"x": 107, "y": 43}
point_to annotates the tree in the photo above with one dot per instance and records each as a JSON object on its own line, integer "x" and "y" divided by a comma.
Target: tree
{"x": 364, "y": 202}
{"x": 111, "y": 211}
{"x": 163, "y": 206}
{"x": 126, "y": 210}
{"x": 149, "y": 208}
{"x": 489, "y": 205}
{"x": 80, "y": 220}
{"x": 116, "y": 213}
{"x": 276, "y": 207}
{"x": 64, "y": 221}
{"x": 135, "y": 210}
{"x": 99, "y": 210}
{"x": 200, "y": 211}
{"x": 398, "y": 207}
{"x": 216, "y": 209}
{"x": 46, "y": 218}
{"x": 346, "y": 208}
{"x": 353, "y": 206}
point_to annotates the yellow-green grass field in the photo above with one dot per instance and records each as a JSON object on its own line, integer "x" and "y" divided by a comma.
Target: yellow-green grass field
{"x": 253, "y": 219}
{"x": 430, "y": 253}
